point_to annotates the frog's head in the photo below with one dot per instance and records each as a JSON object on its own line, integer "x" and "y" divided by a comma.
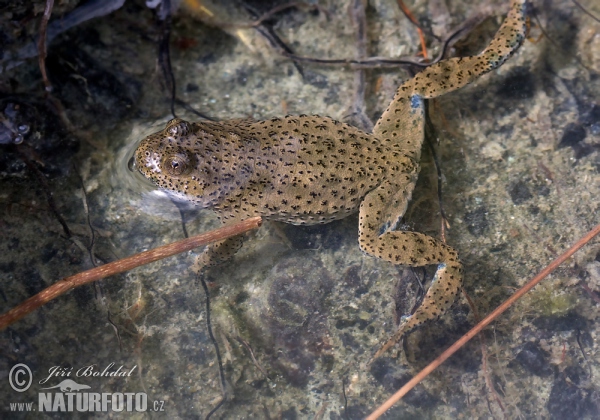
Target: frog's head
{"x": 170, "y": 159}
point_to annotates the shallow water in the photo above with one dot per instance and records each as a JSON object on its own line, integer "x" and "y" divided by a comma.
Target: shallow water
{"x": 299, "y": 311}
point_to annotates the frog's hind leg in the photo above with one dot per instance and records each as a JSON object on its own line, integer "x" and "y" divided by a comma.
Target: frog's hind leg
{"x": 401, "y": 125}
{"x": 379, "y": 215}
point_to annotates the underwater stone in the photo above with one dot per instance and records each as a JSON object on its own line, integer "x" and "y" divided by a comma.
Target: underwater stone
{"x": 534, "y": 359}
{"x": 519, "y": 192}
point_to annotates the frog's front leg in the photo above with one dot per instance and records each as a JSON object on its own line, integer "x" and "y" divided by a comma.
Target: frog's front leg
{"x": 218, "y": 252}
{"x": 379, "y": 215}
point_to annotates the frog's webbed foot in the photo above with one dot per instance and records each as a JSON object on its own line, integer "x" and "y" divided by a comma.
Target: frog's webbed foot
{"x": 379, "y": 214}
{"x": 441, "y": 295}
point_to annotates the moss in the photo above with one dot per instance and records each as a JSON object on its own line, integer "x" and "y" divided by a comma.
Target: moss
{"x": 551, "y": 301}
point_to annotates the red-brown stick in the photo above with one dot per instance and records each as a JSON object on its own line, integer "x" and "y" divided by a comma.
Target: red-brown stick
{"x": 68, "y": 283}
{"x": 42, "y": 43}
{"x": 481, "y": 325}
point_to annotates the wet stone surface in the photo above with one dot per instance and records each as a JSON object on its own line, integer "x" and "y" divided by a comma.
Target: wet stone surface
{"x": 534, "y": 359}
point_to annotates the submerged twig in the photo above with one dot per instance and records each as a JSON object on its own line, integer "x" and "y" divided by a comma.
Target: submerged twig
{"x": 379, "y": 62}
{"x": 216, "y": 346}
{"x": 484, "y": 358}
{"x": 267, "y": 15}
{"x": 584, "y": 10}
{"x": 345, "y": 399}
{"x": 556, "y": 44}
{"x": 431, "y": 130}
{"x": 46, "y": 188}
{"x": 164, "y": 54}
{"x": 42, "y": 43}
{"x": 481, "y": 325}
{"x": 116, "y": 267}
{"x": 414, "y": 21}
{"x": 247, "y": 346}
{"x": 191, "y": 109}
{"x": 356, "y": 110}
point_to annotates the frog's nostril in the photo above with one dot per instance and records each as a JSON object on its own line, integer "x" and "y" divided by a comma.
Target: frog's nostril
{"x": 131, "y": 164}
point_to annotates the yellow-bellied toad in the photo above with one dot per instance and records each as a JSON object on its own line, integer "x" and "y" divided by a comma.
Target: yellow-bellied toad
{"x": 311, "y": 169}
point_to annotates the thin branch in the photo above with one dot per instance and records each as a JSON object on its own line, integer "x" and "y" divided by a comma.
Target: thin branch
{"x": 42, "y": 43}
{"x": 584, "y": 10}
{"x": 45, "y": 187}
{"x": 164, "y": 54}
{"x": 380, "y": 62}
{"x": 269, "y": 14}
{"x": 247, "y": 346}
{"x": 412, "y": 19}
{"x": 481, "y": 325}
{"x": 216, "y": 346}
{"x": 116, "y": 267}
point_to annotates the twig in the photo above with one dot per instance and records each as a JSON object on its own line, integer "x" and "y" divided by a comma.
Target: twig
{"x": 345, "y": 398}
{"x": 481, "y": 325}
{"x": 356, "y": 110}
{"x": 247, "y": 346}
{"x": 412, "y": 19}
{"x": 584, "y": 10}
{"x": 592, "y": 294}
{"x": 46, "y": 188}
{"x": 42, "y": 43}
{"x": 164, "y": 55}
{"x": 191, "y": 109}
{"x": 484, "y": 358}
{"x": 319, "y": 414}
{"x": 587, "y": 362}
{"x": 260, "y": 20}
{"x": 430, "y": 129}
{"x": 380, "y": 62}
{"x": 269, "y": 14}
{"x": 115, "y": 267}
{"x": 216, "y": 346}
{"x": 556, "y": 44}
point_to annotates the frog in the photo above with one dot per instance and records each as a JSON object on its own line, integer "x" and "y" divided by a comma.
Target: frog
{"x": 307, "y": 170}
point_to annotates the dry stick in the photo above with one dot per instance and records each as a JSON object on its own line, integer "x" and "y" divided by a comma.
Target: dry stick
{"x": 68, "y": 283}
{"x": 269, "y": 14}
{"x": 484, "y": 358}
{"x": 414, "y": 21}
{"x": 587, "y": 12}
{"x": 42, "y": 43}
{"x": 481, "y": 325}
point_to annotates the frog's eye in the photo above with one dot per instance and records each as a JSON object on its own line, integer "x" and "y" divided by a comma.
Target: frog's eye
{"x": 177, "y": 164}
{"x": 177, "y": 126}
